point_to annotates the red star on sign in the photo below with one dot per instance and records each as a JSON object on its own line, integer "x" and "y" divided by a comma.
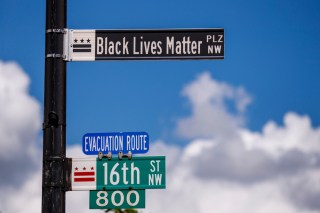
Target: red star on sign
{"x": 84, "y": 168}
{"x": 76, "y": 168}
{"x": 92, "y": 168}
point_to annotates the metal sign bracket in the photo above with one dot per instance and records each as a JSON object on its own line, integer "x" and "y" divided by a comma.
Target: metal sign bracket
{"x": 58, "y": 31}
{"x": 66, "y": 39}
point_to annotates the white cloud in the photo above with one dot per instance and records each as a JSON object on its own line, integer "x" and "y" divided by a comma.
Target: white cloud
{"x": 20, "y": 155}
{"x": 296, "y": 134}
{"x": 210, "y": 116}
{"x": 228, "y": 177}
{"x": 276, "y": 170}
{"x": 19, "y": 112}
{"x": 225, "y": 168}
{"x": 196, "y": 195}
{"x": 25, "y": 198}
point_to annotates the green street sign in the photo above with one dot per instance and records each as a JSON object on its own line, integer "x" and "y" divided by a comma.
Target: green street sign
{"x": 113, "y": 174}
{"x": 113, "y": 199}
{"x": 138, "y": 173}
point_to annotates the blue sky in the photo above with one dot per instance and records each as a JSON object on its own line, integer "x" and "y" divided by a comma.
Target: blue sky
{"x": 272, "y": 49}
{"x": 268, "y": 148}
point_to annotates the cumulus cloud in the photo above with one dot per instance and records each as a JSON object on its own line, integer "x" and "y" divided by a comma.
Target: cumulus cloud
{"x": 200, "y": 181}
{"x": 235, "y": 162}
{"x": 210, "y": 117}
{"x": 276, "y": 170}
{"x": 20, "y": 123}
{"x": 19, "y": 126}
{"x": 296, "y": 133}
{"x": 225, "y": 167}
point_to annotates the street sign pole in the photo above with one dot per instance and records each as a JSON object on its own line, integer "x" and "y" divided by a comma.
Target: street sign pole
{"x": 54, "y": 125}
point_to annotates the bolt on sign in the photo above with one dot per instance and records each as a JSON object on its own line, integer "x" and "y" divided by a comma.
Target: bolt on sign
{"x": 122, "y": 199}
{"x": 137, "y": 173}
{"x": 157, "y": 44}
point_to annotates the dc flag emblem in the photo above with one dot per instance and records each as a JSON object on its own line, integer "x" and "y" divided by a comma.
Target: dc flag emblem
{"x": 82, "y": 45}
{"x": 84, "y": 174}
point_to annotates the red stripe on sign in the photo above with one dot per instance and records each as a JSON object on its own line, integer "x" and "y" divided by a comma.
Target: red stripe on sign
{"x": 83, "y": 173}
{"x": 84, "y": 179}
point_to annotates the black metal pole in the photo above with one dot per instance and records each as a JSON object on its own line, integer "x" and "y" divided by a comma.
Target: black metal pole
{"x": 54, "y": 126}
